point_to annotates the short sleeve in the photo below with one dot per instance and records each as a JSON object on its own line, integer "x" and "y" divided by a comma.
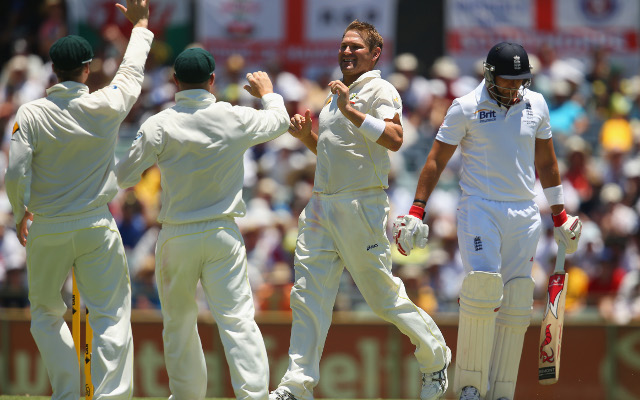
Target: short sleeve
{"x": 387, "y": 102}
{"x": 544, "y": 128}
{"x": 454, "y": 126}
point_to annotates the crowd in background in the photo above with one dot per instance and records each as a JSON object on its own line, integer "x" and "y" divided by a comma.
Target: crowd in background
{"x": 594, "y": 107}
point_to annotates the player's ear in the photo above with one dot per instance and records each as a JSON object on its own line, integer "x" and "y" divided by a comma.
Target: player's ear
{"x": 376, "y": 53}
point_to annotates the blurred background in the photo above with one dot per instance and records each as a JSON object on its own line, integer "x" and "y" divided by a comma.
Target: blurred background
{"x": 585, "y": 56}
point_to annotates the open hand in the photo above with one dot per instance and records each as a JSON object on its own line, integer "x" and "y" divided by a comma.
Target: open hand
{"x": 136, "y": 11}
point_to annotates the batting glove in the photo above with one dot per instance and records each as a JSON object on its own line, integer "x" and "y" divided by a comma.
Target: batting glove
{"x": 567, "y": 230}
{"x": 410, "y": 231}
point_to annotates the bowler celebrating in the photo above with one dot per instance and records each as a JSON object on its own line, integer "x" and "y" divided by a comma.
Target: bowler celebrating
{"x": 344, "y": 224}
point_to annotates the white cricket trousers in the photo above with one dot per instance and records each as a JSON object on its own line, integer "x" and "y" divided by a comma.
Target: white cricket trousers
{"x": 213, "y": 253}
{"x": 498, "y": 236}
{"x": 91, "y": 244}
{"x": 348, "y": 230}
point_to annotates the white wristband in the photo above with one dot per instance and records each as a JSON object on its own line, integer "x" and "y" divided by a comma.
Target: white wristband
{"x": 554, "y": 195}
{"x": 372, "y": 128}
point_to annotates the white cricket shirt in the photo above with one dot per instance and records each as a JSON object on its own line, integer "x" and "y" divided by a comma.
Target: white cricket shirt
{"x": 61, "y": 157}
{"x": 347, "y": 160}
{"x": 199, "y": 146}
{"x": 497, "y": 145}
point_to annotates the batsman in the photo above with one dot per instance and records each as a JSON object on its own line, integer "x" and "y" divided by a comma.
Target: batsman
{"x": 61, "y": 164}
{"x": 504, "y": 135}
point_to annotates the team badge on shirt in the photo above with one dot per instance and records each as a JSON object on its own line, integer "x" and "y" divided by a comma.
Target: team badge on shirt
{"x": 16, "y": 128}
{"x": 353, "y": 97}
{"x": 326, "y": 103}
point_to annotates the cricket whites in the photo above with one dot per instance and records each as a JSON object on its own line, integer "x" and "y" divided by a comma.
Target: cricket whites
{"x": 552, "y": 323}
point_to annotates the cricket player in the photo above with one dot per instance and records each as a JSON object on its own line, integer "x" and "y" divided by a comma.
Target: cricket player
{"x": 504, "y": 135}
{"x": 344, "y": 223}
{"x": 60, "y": 175}
{"x": 199, "y": 145}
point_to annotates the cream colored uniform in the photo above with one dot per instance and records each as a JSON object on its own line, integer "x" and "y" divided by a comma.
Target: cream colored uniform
{"x": 199, "y": 146}
{"x": 344, "y": 225}
{"x": 61, "y": 166}
{"x": 498, "y": 230}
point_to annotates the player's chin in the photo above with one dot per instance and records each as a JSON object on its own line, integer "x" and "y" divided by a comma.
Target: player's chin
{"x": 347, "y": 66}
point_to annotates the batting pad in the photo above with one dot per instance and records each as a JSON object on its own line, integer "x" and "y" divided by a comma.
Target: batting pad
{"x": 511, "y": 325}
{"x": 480, "y": 298}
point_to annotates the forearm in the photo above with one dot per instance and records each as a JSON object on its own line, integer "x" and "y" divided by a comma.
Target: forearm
{"x": 390, "y": 138}
{"x": 549, "y": 174}
{"x": 427, "y": 181}
{"x": 311, "y": 141}
{"x": 437, "y": 160}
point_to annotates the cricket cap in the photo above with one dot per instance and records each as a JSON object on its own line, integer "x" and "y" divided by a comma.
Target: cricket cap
{"x": 510, "y": 61}
{"x": 70, "y": 52}
{"x": 194, "y": 65}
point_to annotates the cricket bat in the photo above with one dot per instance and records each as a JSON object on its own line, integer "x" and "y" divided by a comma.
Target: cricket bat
{"x": 552, "y": 323}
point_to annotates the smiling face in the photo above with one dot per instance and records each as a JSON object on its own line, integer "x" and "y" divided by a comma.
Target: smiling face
{"x": 354, "y": 56}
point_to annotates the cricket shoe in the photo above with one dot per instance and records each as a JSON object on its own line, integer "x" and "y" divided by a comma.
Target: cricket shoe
{"x": 435, "y": 384}
{"x": 281, "y": 394}
{"x": 469, "y": 393}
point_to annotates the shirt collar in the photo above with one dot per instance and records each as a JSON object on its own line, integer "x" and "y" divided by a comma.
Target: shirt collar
{"x": 482, "y": 94}
{"x": 68, "y": 89}
{"x": 366, "y": 76}
{"x": 194, "y": 96}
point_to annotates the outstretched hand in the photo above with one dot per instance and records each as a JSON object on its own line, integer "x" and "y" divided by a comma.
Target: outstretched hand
{"x": 136, "y": 11}
{"x": 300, "y": 126}
{"x": 259, "y": 84}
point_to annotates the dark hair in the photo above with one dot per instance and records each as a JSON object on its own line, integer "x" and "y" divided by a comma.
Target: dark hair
{"x": 368, "y": 32}
{"x": 68, "y": 75}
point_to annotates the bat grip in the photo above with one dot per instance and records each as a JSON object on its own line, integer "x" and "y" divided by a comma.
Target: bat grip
{"x": 562, "y": 251}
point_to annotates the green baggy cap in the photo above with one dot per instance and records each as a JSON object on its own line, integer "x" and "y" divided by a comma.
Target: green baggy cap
{"x": 194, "y": 65}
{"x": 70, "y": 52}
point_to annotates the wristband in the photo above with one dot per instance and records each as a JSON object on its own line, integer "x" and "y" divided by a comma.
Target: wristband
{"x": 417, "y": 212}
{"x": 372, "y": 128}
{"x": 554, "y": 195}
{"x": 559, "y": 219}
{"x": 420, "y": 201}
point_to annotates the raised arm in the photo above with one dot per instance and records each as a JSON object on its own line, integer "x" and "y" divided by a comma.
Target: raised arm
{"x": 136, "y": 11}
{"x": 387, "y": 133}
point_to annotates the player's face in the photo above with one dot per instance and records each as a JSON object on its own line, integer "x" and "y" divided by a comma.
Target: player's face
{"x": 354, "y": 56}
{"x": 508, "y": 88}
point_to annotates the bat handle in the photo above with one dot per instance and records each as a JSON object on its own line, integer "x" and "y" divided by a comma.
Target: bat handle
{"x": 562, "y": 251}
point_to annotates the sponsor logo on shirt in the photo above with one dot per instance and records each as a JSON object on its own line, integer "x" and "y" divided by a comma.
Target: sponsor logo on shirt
{"x": 371, "y": 246}
{"x": 138, "y": 136}
{"x": 485, "y": 115}
{"x": 477, "y": 243}
{"x": 114, "y": 87}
